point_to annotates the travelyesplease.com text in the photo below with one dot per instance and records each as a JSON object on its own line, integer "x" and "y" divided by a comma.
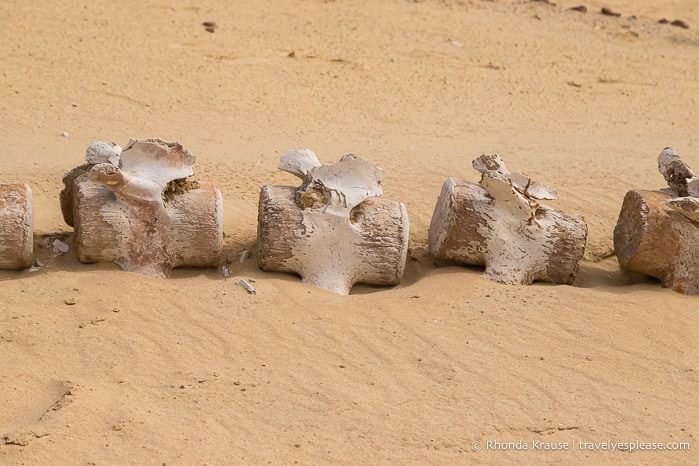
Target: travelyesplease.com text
{"x": 572, "y": 445}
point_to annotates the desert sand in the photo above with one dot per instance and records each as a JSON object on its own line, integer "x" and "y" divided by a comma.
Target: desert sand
{"x": 194, "y": 370}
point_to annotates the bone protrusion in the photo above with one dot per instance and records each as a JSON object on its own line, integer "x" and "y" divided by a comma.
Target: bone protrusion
{"x": 133, "y": 187}
{"x": 676, "y": 172}
{"x": 687, "y": 206}
{"x": 494, "y": 167}
{"x": 298, "y": 162}
{"x": 342, "y": 185}
{"x": 103, "y": 152}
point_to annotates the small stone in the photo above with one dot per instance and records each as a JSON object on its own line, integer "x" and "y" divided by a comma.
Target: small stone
{"x": 608, "y": 12}
{"x": 65, "y": 134}
{"x": 70, "y": 301}
{"x": 21, "y": 439}
{"x": 59, "y": 246}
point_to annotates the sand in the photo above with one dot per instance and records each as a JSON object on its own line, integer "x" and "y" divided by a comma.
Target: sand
{"x": 194, "y": 370}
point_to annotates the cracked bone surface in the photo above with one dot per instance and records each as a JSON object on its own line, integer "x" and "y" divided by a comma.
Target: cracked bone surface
{"x": 16, "y": 226}
{"x": 137, "y": 208}
{"x": 676, "y": 172}
{"x": 499, "y": 224}
{"x": 334, "y": 230}
{"x": 657, "y": 233}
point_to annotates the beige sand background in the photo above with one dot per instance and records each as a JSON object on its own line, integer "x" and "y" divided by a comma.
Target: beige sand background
{"x": 193, "y": 370}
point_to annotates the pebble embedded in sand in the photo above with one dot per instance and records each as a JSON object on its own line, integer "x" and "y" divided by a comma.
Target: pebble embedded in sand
{"x": 680, "y": 23}
{"x": 608, "y": 12}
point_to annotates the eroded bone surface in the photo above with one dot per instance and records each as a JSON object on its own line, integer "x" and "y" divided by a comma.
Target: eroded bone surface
{"x": 334, "y": 230}
{"x": 103, "y": 152}
{"x": 500, "y": 224}
{"x": 298, "y": 162}
{"x": 676, "y": 172}
{"x": 16, "y": 226}
{"x": 657, "y": 232}
{"x": 137, "y": 207}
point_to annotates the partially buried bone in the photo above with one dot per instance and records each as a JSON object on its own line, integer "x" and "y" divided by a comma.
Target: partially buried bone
{"x": 334, "y": 230}
{"x": 657, "y": 233}
{"x": 16, "y": 226}
{"x": 499, "y": 224}
{"x": 138, "y": 208}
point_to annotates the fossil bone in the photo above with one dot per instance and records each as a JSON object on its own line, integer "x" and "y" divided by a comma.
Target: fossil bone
{"x": 16, "y": 226}
{"x": 140, "y": 211}
{"x": 675, "y": 171}
{"x": 298, "y": 162}
{"x": 103, "y": 152}
{"x": 334, "y": 230}
{"x": 499, "y": 224}
{"x": 657, "y": 233}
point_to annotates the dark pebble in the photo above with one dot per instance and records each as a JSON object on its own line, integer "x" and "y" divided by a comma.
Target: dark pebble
{"x": 680, "y": 23}
{"x": 609, "y": 12}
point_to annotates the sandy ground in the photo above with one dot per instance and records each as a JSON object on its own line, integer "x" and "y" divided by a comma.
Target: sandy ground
{"x": 193, "y": 370}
